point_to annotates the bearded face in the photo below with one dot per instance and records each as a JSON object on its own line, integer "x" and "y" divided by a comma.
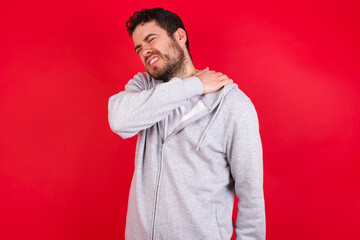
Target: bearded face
{"x": 160, "y": 53}
{"x": 174, "y": 62}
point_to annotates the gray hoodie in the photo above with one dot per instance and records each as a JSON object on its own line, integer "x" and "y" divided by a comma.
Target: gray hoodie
{"x": 183, "y": 186}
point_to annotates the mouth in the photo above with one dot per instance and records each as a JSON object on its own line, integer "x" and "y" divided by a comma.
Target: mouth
{"x": 152, "y": 61}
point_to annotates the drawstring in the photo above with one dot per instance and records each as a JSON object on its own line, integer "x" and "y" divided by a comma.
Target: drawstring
{"x": 211, "y": 121}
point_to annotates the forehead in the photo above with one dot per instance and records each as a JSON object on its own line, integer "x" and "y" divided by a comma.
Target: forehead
{"x": 142, "y": 30}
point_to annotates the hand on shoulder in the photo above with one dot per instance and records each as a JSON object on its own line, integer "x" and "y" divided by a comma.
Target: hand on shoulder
{"x": 212, "y": 80}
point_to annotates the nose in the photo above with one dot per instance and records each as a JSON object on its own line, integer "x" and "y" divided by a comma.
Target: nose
{"x": 146, "y": 52}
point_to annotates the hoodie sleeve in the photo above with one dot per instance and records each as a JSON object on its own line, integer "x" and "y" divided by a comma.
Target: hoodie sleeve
{"x": 139, "y": 106}
{"x": 245, "y": 158}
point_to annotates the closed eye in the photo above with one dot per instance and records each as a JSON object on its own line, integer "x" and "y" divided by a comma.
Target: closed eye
{"x": 149, "y": 38}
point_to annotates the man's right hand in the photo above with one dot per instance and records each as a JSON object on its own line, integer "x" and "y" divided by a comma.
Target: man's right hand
{"x": 211, "y": 80}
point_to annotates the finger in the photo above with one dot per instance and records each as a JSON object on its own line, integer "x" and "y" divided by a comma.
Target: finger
{"x": 227, "y": 81}
{"x": 224, "y": 77}
{"x": 199, "y": 72}
{"x": 202, "y": 71}
{"x": 219, "y": 74}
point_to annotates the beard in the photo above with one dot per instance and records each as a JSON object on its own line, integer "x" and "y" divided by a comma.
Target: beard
{"x": 175, "y": 63}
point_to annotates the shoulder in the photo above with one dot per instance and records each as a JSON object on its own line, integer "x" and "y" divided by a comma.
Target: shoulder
{"x": 240, "y": 111}
{"x": 237, "y": 101}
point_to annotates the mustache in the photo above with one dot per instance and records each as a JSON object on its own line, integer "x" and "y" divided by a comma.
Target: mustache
{"x": 153, "y": 52}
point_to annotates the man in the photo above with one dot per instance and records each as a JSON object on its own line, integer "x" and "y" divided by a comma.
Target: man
{"x": 198, "y": 142}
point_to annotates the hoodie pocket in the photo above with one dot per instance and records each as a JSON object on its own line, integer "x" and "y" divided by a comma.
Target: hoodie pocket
{"x": 223, "y": 217}
{"x": 214, "y": 224}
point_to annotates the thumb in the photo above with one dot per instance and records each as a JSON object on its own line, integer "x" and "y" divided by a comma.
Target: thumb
{"x": 201, "y": 71}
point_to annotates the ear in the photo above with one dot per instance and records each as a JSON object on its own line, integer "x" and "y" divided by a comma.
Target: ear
{"x": 180, "y": 36}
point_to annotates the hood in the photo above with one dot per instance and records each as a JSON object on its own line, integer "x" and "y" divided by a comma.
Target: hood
{"x": 211, "y": 100}
{"x": 214, "y": 100}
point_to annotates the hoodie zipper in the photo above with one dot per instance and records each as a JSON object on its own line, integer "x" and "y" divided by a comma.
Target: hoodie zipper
{"x": 157, "y": 190}
{"x": 162, "y": 157}
{"x": 161, "y": 150}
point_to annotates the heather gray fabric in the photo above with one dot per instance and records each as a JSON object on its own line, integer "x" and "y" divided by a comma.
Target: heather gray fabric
{"x": 183, "y": 187}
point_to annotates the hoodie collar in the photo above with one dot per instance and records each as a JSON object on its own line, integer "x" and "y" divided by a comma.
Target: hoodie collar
{"x": 211, "y": 100}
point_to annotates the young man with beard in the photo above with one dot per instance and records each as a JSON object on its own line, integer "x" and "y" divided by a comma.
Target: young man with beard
{"x": 198, "y": 142}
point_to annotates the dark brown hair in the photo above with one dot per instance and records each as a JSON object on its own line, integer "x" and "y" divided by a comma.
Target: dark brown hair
{"x": 167, "y": 20}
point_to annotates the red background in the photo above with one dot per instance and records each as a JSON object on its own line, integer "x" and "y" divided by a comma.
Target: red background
{"x": 65, "y": 175}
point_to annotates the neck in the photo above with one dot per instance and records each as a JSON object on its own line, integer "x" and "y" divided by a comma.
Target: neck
{"x": 188, "y": 69}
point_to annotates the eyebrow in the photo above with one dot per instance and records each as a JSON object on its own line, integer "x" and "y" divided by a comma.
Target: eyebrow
{"x": 146, "y": 39}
